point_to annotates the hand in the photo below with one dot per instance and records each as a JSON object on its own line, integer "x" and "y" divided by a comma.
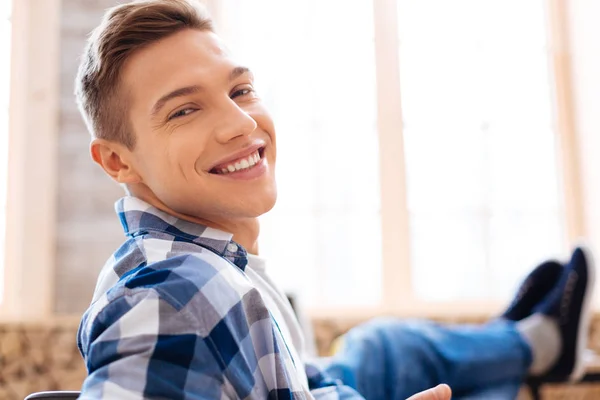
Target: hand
{"x": 440, "y": 392}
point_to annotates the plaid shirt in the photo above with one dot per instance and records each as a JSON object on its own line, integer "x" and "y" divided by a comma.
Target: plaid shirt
{"x": 174, "y": 316}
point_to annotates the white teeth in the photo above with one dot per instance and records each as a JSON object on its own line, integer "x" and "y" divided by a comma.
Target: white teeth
{"x": 248, "y": 162}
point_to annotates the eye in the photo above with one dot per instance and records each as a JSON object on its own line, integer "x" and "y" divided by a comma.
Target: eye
{"x": 182, "y": 113}
{"x": 242, "y": 92}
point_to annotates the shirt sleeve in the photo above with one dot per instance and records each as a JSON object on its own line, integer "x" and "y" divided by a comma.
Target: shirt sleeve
{"x": 140, "y": 346}
{"x": 323, "y": 387}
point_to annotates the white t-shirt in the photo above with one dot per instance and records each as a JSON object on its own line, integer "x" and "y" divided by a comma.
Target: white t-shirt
{"x": 280, "y": 309}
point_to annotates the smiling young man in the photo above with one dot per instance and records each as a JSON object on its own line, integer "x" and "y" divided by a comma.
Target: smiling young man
{"x": 184, "y": 308}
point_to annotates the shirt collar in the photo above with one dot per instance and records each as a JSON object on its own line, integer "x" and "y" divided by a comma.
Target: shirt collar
{"x": 140, "y": 218}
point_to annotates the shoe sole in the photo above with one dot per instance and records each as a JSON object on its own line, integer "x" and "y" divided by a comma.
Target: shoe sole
{"x": 584, "y": 321}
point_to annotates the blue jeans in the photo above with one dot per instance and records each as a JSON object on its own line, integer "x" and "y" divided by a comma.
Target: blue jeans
{"x": 394, "y": 359}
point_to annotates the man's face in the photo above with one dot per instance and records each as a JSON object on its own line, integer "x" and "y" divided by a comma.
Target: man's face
{"x": 205, "y": 144}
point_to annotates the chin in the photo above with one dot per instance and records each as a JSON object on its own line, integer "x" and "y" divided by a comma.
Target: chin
{"x": 256, "y": 209}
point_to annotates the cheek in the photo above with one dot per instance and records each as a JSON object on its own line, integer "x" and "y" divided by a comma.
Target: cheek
{"x": 265, "y": 123}
{"x": 188, "y": 149}
{"x": 199, "y": 167}
{"x": 263, "y": 119}
{"x": 181, "y": 158}
{"x": 270, "y": 129}
{"x": 160, "y": 164}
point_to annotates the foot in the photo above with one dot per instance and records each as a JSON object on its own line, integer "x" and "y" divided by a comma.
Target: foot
{"x": 532, "y": 291}
{"x": 569, "y": 305}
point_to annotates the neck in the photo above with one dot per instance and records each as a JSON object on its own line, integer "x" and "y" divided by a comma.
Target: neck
{"x": 245, "y": 230}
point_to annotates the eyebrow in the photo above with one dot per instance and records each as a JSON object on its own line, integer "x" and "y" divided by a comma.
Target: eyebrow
{"x": 184, "y": 91}
{"x": 237, "y": 71}
{"x": 187, "y": 90}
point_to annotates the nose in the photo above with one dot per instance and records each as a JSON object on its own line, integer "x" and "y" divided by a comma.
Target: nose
{"x": 233, "y": 122}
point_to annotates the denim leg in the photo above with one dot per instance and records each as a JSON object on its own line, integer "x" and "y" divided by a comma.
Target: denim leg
{"x": 393, "y": 359}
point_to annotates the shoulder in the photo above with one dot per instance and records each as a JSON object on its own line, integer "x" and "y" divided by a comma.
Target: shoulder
{"x": 183, "y": 277}
{"x": 201, "y": 286}
{"x": 175, "y": 270}
{"x": 177, "y": 307}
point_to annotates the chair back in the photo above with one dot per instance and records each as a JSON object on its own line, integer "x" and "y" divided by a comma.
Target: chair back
{"x": 53, "y": 396}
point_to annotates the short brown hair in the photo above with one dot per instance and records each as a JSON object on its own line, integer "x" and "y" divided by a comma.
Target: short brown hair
{"x": 125, "y": 29}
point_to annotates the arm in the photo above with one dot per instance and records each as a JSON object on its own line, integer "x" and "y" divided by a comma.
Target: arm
{"x": 323, "y": 387}
{"x": 140, "y": 346}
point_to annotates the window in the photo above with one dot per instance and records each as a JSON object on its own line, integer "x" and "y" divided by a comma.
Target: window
{"x": 482, "y": 178}
{"x": 482, "y": 173}
{"x": 319, "y": 84}
{"x": 5, "y": 40}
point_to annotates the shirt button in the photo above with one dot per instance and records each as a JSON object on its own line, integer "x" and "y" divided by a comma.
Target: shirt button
{"x": 232, "y": 247}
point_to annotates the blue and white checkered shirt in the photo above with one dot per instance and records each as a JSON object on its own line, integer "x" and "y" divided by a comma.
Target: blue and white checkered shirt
{"x": 174, "y": 316}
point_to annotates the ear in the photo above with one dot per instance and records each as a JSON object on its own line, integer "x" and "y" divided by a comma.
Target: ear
{"x": 115, "y": 160}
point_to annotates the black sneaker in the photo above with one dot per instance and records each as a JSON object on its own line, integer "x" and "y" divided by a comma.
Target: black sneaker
{"x": 533, "y": 289}
{"x": 569, "y": 304}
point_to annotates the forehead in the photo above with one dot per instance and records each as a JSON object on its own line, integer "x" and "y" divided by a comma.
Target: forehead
{"x": 186, "y": 57}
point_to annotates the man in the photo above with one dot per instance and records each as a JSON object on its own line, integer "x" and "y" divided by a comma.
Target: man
{"x": 185, "y": 309}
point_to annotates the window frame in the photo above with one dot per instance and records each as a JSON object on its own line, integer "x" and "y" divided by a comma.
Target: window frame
{"x": 29, "y": 264}
{"x": 564, "y": 115}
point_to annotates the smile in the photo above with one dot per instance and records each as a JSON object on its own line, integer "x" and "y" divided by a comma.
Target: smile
{"x": 241, "y": 164}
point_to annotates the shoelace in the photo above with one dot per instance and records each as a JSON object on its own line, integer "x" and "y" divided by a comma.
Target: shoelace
{"x": 567, "y": 297}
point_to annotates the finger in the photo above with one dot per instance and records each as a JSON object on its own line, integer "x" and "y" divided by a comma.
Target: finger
{"x": 440, "y": 392}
